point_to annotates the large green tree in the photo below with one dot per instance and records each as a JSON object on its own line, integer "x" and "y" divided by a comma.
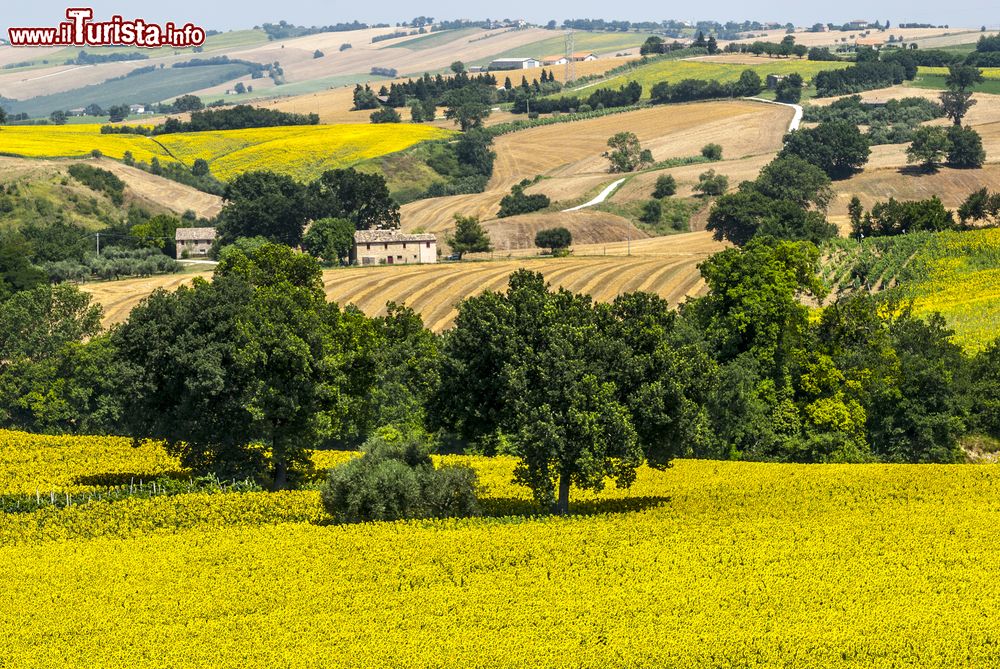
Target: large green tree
{"x": 527, "y": 364}
{"x": 836, "y": 147}
{"x": 329, "y": 239}
{"x": 361, "y": 198}
{"x": 263, "y": 204}
{"x": 245, "y": 373}
{"x": 469, "y": 236}
{"x": 957, "y": 100}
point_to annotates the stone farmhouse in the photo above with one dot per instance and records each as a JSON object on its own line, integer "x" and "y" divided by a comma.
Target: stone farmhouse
{"x": 392, "y": 247}
{"x": 193, "y": 242}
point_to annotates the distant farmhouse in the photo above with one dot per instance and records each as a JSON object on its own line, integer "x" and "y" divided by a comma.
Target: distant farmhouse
{"x": 193, "y": 242}
{"x": 514, "y": 64}
{"x": 579, "y": 57}
{"x": 392, "y": 247}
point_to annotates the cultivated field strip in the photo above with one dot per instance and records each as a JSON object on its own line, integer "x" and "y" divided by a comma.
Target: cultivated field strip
{"x": 435, "y": 290}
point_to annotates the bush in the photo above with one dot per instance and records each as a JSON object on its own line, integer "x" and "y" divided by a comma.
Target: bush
{"x": 395, "y": 479}
{"x": 712, "y": 151}
{"x": 554, "y": 239}
{"x": 710, "y": 183}
{"x": 516, "y": 202}
{"x": 386, "y": 115}
{"x": 666, "y": 186}
{"x": 652, "y": 212}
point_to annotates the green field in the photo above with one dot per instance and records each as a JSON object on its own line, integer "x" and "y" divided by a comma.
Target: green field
{"x": 677, "y": 70}
{"x": 148, "y": 87}
{"x": 934, "y": 78}
{"x": 597, "y": 42}
{"x": 434, "y": 39}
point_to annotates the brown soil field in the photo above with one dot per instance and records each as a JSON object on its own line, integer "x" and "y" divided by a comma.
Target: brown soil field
{"x": 665, "y": 266}
{"x": 143, "y": 188}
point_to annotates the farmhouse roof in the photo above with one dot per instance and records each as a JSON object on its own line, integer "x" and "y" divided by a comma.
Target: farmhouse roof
{"x": 513, "y": 60}
{"x": 368, "y": 236}
{"x": 552, "y": 59}
{"x": 194, "y": 234}
{"x": 584, "y": 54}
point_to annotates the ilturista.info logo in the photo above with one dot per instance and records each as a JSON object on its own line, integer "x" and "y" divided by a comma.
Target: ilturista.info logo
{"x": 81, "y": 30}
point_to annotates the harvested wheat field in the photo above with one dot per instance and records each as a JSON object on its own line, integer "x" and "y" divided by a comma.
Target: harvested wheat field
{"x": 665, "y": 266}
{"x": 142, "y": 188}
{"x": 588, "y": 227}
{"x": 569, "y": 155}
{"x": 920, "y": 35}
{"x": 952, "y": 186}
{"x": 669, "y": 131}
{"x": 640, "y": 187}
{"x": 167, "y": 193}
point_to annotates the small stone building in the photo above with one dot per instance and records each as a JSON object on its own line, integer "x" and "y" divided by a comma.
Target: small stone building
{"x": 193, "y": 242}
{"x": 392, "y": 247}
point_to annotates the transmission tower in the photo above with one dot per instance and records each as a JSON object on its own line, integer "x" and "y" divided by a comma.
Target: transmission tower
{"x": 570, "y": 62}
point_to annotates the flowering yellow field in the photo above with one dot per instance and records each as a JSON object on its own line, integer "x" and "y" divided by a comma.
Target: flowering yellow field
{"x": 302, "y": 152}
{"x": 963, "y": 283}
{"x": 709, "y": 564}
{"x": 75, "y": 141}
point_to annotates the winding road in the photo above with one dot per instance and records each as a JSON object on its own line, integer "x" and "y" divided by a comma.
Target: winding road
{"x": 796, "y": 117}
{"x": 601, "y": 197}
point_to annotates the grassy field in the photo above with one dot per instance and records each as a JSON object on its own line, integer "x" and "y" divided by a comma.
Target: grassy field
{"x": 705, "y": 564}
{"x": 300, "y": 151}
{"x": 434, "y": 39}
{"x": 937, "y": 82}
{"x": 141, "y": 88}
{"x": 677, "y": 70}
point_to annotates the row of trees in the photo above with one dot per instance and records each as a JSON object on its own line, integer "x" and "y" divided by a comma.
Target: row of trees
{"x": 244, "y": 374}
{"x": 277, "y": 208}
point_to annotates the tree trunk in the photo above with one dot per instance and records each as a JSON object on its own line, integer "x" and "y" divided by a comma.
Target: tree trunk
{"x": 280, "y": 475}
{"x": 562, "y": 504}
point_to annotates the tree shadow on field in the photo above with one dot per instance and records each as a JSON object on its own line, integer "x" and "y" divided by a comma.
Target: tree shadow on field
{"x": 500, "y": 507}
{"x": 117, "y": 479}
{"x": 918, "y": 170}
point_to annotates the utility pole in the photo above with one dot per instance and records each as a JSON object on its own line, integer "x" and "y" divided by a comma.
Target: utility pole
{"x": 98, "y": 235}
{"x": 570, "y": 74}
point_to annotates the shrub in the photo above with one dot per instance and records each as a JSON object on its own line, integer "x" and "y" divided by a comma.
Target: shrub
{"x": 396, "y": 479}
{"x": 386, "y": 115}
{"x": 652, "y": 212}
{"x": 712, "y": 151}
{"x": 554, "y": 239}
{"x": 666, "y": 186}
{"x": 517, "y": 202}
{"x": 710, "y": 183}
